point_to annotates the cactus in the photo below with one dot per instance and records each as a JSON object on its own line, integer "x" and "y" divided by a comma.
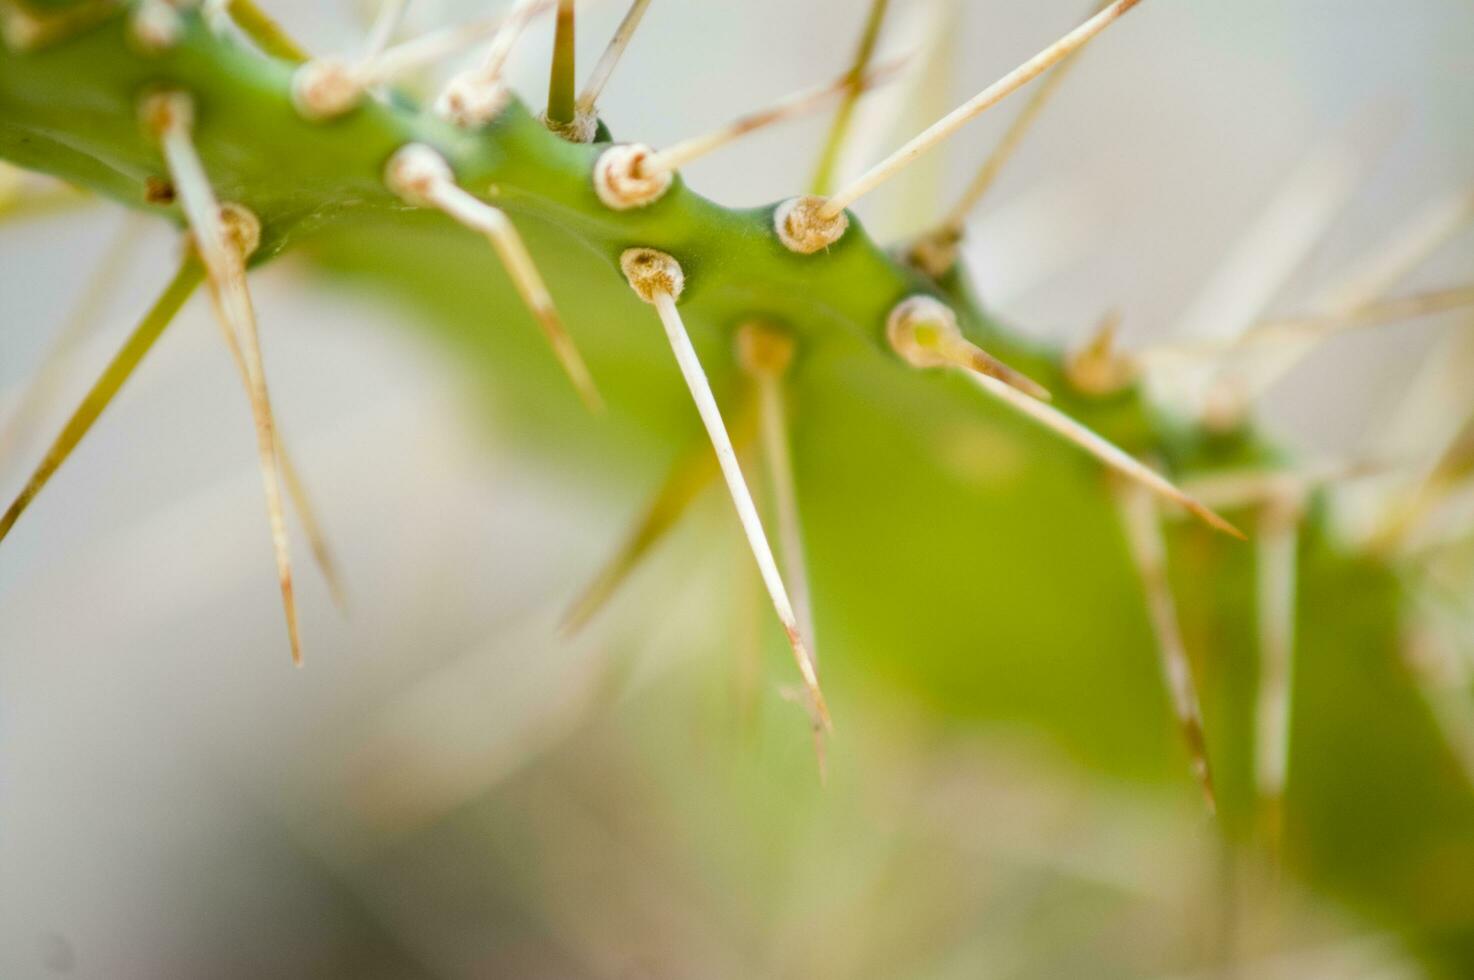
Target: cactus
{"x": 260, "y": 152}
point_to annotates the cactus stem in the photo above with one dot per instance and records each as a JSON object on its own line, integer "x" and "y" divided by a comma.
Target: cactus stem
{"x": 949, "y": 124}
{"x": 657, "y": 279}
{"x": 223, "y": 248}
{"x": 421, "y": 176}
{"x": 1141, "y": 518}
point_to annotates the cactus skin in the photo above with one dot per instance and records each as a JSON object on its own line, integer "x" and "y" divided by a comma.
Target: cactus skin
{"x": 1007, "y": 593}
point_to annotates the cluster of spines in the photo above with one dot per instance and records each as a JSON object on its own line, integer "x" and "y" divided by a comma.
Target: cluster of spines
{"x": 922, "y": 330}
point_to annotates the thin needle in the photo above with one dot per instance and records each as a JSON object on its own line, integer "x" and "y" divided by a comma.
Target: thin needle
{"x": 599, "y": 77}
{"x": 949, "y": 229}
{"x": 124, "y": 363}
{"x": 1257, "y": 487}
{"x": 1275, "y": 573}
{"x": 190, "y": 274}
{"x": 474, "y": 98}
{"x": 561, "y": 84}
{"x": 765, "y": 353}
{"x": 1260, "y": 263}
{"x": 779, "y": 460}
{"x": 317, "y": 539}
{"x": 170, "y": 117}
{"x": 1317, "y": 327}
{"x": 505, "y": 38}
{"x": 297, "y": 492}
{"x": 949, "y": 124}
{"x": 1102, "y": 449}
{"x": 925, "y": 333}
{"x": 1418, "y": 430}
{"x": 421, "y": 175}
{"x": 98, "y": 290}
{"x": 493, "y": 223}
{"x": 1359, "y": 291}
{"x": 839, "y": 129}
{"x": 1392, "y": 259}
{"x": 677, "y": 156}
{"x": 1441, "y": 669}
{"x": 264, "y": 32}
{"x": 1143, "y": 526}
{"x": 424, "y": 50}
{"x": 386, "y": 24}
{"x": 694, "y": 471}
{"x": 331, "y": 86}
{"x": 1367, "y": 315}
{"x": 757, "y": 540}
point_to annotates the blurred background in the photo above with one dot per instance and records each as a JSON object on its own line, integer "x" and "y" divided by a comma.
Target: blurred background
{"x": 450, "y": 789}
